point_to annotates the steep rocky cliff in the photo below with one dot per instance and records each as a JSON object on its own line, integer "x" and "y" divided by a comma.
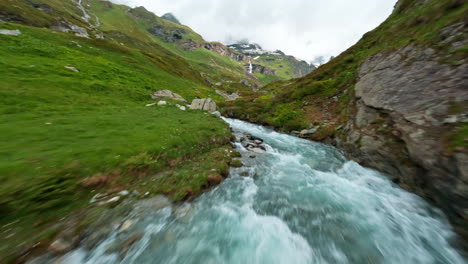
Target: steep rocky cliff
{"x": 397, "y": 101}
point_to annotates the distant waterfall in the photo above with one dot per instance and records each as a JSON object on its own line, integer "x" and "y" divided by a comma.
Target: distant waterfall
{"x": 250, "y": 66}
{"x": 85, "y": 17}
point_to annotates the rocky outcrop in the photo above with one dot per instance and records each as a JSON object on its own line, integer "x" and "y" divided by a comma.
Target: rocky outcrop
{"x": 215, "y": 47}
{"x": 408, "y": 107}
{"x": 64, "y": 26}
{"x": 256, "y": 68}
{"x": 252, "y": 143}
{"x": 171, "y": 17}
{"x": 167, "y": 95}
{"x": 203, "y": 104}
{"x": 169, "y": 36}
{"x": 227, "y": 96}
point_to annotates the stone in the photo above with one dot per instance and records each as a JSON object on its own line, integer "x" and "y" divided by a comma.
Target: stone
{"x": 307, "y": 132}
{"x": 10, "y": 32}
{"x": 214, "y": 179}
{"x": 167, "y": 95}
{"x": 181, "y": 107}
{"x": 128, "y": 243}
{"x": 124, "y": 193}
{"x": 154, "y": 203}
{"x": 246, "y": 83}
{"x": 162, "y": 103}
{"x": 236, "y": 164}
{"x": 203, "y": 104}
{"x": 153, "y": 104}
{"x": 228, "y": 97}
{"x": 71, "y": 68}
{"x": 125, "y": 226}
{"x": 60, "y": 246}
{"x": 216, "y": 113}
{"x": 365, "y": 115}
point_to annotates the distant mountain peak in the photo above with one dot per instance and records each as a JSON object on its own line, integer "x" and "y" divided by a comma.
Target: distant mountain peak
{"x": 171, "y": 17}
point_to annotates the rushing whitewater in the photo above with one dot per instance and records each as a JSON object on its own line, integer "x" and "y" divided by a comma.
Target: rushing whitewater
{"x": 300, "y": 202}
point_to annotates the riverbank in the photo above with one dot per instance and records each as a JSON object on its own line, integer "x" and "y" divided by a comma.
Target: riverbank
{"x": 294, "y": 201}
{"x": 67, "y": 164}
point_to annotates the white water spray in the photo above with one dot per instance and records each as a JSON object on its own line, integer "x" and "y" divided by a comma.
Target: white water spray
{"x": 300, "y": 202}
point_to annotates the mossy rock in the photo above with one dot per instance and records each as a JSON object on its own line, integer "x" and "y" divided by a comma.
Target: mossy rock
{"x": 236, "y": 164}
{"x": 235, "y": 154}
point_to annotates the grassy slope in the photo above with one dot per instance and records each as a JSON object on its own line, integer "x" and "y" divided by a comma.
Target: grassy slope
{"x": 293, "y": 105}
{"x": 59, "y": 127}
{"x": 285, "y": 67}
{"x": 216, "y": 68}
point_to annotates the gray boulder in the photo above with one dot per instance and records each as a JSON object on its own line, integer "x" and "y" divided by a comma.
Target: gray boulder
{"x": 203, "y": 104}
{"x": 168, "y": 95}
{"x": 307, "y": 132}
{"x": 10, "y": 32}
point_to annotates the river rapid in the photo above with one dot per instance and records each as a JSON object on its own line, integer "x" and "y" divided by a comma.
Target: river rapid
{"x": 299, "y": 202}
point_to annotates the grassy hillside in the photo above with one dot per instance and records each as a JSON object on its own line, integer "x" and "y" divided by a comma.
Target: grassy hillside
{"x": 326, "y": 92}
{"x": 67, "y": 135}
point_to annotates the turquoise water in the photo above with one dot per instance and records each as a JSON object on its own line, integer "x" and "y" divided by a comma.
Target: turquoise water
{"x": 300, "y": 202}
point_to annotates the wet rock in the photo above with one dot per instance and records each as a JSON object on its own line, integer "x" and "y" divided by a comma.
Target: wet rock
{"x": 307, "y": 132}
{"x": 235, "y": 154}
{"x": 126, "y": 226}
{"x": 236, "y": 164}
{"x": 252, "y": 143}
{"x": 154, "y": 203}
{"x": 166, "y": 94}
{"x": 216, "y": 113}
{"x": 183, "y": 212}
{"x": 60, "y": 246}
{"x": 214, "y": 179}
{"x": 244, "y": 174}
{"x": 127, "y": 244}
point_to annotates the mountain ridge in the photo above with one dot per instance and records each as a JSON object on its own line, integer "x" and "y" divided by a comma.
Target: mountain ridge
{"x": 395, "y": 101}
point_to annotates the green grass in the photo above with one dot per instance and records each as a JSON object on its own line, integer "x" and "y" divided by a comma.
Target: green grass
{"x": 59, "y": 127}
{"x": 459, "y": 139}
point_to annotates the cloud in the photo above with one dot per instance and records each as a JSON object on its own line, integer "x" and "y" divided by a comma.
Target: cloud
{"x": 303, "y": 28}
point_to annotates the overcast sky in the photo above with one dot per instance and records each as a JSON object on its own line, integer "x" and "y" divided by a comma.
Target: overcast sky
{"x": 303, "y": 28}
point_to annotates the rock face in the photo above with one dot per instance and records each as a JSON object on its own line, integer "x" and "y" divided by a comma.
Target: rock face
{"x": 203, "y": 104}
{"x": 228, "y": 97}
{"x": 408, "y": 103}
{"x": 171, "y": 17}
{"x": 260, "y": 69}
{"x": 215, "y": 47}
{"x": 167, "y": 95}
{"x": 71, "y": 28}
